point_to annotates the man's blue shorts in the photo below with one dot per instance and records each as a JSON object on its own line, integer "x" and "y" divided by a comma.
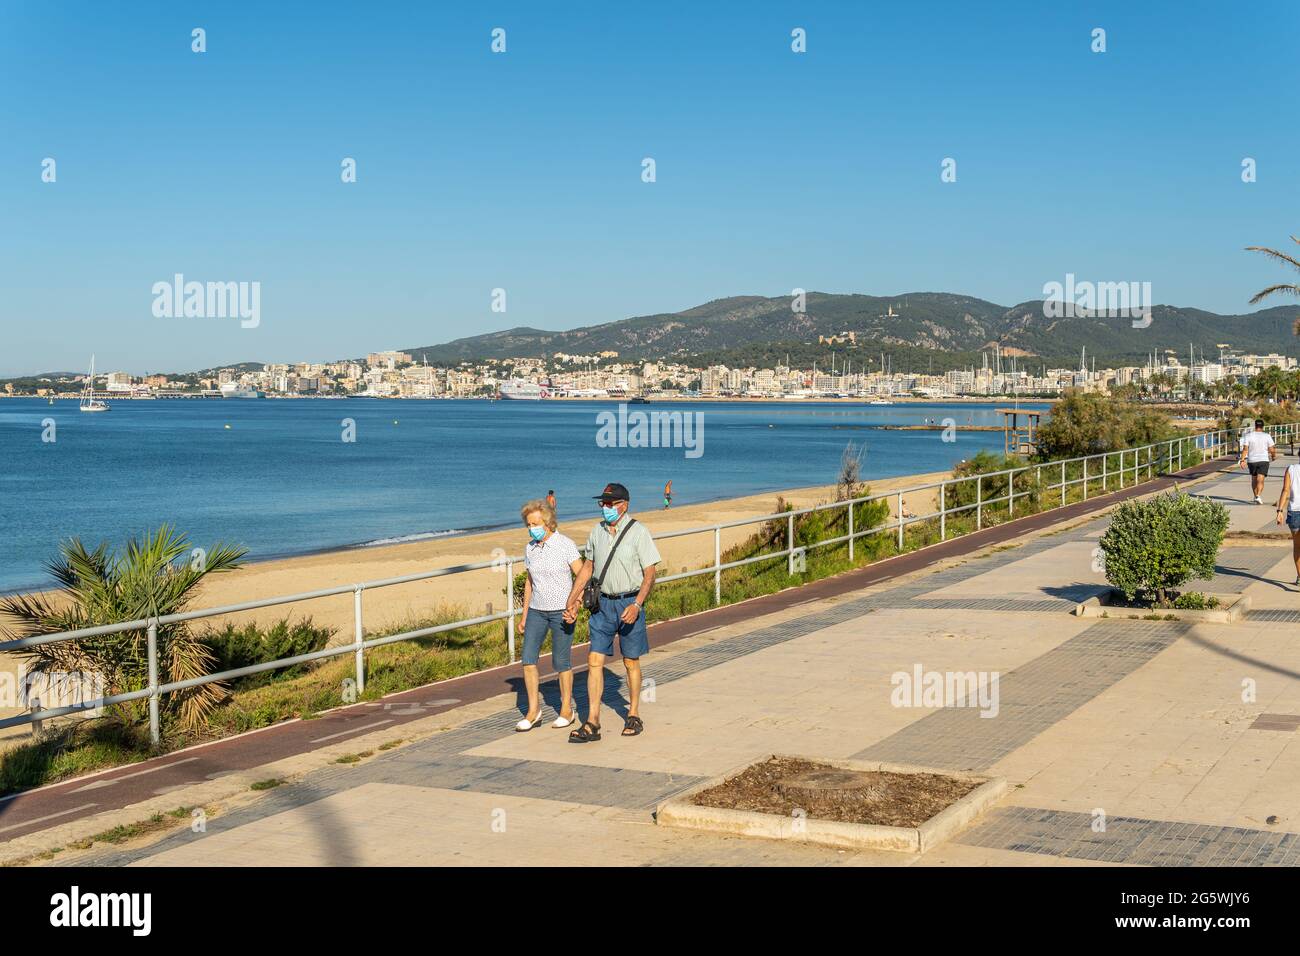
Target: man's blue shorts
{"x": 633, "y": 641}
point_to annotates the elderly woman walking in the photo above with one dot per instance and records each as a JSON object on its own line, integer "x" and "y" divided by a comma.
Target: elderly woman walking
{"x": 551, "y": 561}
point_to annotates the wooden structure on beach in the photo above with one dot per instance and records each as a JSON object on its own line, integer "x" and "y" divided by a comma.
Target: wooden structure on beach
{"x": 1020, "y": 438}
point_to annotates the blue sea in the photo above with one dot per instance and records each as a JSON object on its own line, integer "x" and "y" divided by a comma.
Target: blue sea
{"x": 280, "y": 480}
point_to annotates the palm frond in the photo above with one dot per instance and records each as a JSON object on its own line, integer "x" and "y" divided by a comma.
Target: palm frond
{"x": 1265, "y": 293}
{"x": 1275, "y": 254}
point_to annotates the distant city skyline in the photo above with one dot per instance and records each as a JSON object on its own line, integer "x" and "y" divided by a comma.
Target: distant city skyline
{"x": 523, "y": 170}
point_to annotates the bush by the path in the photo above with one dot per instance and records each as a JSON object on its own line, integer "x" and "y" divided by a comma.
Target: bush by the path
{"x": 1157, "y": 545}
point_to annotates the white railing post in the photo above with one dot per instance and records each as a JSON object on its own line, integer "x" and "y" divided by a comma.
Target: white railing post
{"x": 1011, "y": 494}
{"x": 510, "y": 608}
{"x": 943, "y": 511}
{"x": 979, "y": 502}
{"x": 359, "y": 636}
{"x": 1103, "y": 474}
{"x": 717, "y": 565}
{"x": 155, "y": 721}
{"x": 851, "y": 507}
{"x": 789, "y": 540}
{"x": 900, "y": 521}
{"x": 1062, "y": 484}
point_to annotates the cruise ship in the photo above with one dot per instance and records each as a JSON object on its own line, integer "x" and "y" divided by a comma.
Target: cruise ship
{"x": 522, "y": 391}
{"x": 234, "y": 390}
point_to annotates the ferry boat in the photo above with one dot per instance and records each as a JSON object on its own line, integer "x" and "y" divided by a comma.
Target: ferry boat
{"x": 233, "y": 390}
{"x": 517, "y": 390}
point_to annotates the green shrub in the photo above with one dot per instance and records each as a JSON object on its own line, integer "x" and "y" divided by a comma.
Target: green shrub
{"x": 1088, "y": 423}
{"x": 1195, "y": 601}
{"x": 961, "y": 493}
{"x": 245, "y": 646}
{"x": 1156, "y": 545}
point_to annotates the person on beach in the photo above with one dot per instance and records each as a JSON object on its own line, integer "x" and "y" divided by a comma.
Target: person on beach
{"x": 622, "y": 554}
{"x": 550, "y": 498}
{"x": 668, "y": 495}
{"x": 1288, "y": 512}
{"x": 551, "y": 560}
{"x": 1257, "y": 450}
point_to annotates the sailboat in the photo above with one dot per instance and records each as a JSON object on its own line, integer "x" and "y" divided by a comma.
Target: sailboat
{"x": 89, "y": 403}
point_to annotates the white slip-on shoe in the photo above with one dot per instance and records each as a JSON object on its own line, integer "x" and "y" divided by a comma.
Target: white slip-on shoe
{"x": 562, "y": 722}
{"x": 527, "y": 724}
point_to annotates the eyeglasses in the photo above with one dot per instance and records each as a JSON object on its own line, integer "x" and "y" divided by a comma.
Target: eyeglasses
{"x": 610, "y": 504}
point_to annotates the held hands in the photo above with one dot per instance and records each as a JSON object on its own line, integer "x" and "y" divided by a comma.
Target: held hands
{"x": 630, "y": 613}
{"x": 571, "y": 612}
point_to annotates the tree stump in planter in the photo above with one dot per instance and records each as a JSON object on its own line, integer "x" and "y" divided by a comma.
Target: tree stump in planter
{"x": 818, "y": 786}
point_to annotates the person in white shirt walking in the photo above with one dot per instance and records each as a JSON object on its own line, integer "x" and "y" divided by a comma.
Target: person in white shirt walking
{"x": 551, "y": 561}
{"x": 1288, "y": 512}
{"x": 1257, "y": 450}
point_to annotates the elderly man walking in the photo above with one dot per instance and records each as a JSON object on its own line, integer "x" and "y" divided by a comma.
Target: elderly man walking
{"x": 614, "y": 581}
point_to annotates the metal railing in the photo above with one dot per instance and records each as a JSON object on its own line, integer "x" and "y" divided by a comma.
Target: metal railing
{"x": 1134, "y": 466}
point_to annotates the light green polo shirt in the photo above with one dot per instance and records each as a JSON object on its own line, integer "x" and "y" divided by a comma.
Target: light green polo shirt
{"x": 634, "y": 555}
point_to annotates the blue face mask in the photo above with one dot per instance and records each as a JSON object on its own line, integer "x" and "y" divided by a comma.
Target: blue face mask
{"x": 610, "y": 514}
{"x": 537, "y": 533}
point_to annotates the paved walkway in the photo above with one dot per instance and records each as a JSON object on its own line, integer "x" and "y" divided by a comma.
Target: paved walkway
{"x": 1179, "y": 736}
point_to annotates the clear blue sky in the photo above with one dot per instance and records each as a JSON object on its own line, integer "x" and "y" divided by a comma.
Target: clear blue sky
{"x": 522, "y": 170}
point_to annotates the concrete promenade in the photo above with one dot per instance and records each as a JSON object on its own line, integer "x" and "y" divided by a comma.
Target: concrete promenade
{"x": 1183, "y": 736}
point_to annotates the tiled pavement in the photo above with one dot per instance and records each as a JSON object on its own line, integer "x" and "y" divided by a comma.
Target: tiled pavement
{"x": 1031, "y": 698}
{"x": 1129, "y": 840}
{"x": 1126, "y": 715}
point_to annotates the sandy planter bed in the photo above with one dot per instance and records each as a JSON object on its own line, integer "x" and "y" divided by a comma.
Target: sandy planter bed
{"x": 840, "y": 803}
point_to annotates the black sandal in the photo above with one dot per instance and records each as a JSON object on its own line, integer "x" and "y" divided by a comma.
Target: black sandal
{"x": 585, "y": 734}
{"x": 633, "y": 723}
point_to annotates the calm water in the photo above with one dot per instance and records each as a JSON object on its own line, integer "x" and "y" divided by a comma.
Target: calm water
{"x": 281, "y": 481}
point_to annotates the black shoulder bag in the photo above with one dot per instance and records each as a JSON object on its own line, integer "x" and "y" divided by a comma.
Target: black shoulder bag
{"x": 591, "y": 590}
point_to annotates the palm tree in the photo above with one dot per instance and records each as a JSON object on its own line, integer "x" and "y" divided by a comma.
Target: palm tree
{"x": 1287, "y": 287}
{"x": 1268, "y": 382}
{"x": 155, "y": 577}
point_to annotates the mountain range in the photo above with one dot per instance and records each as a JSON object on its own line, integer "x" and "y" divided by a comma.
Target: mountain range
{"x": 949, "y": 329}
